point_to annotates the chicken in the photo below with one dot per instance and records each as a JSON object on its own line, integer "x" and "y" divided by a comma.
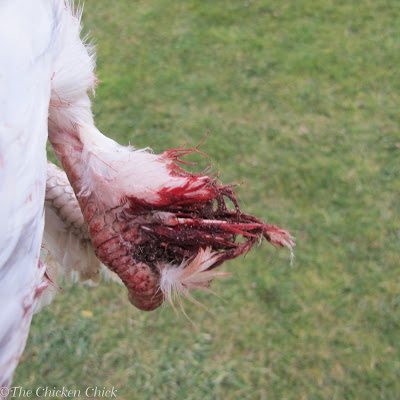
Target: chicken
{"x": 158, "y": 245}
{"x": 158, "y": 227}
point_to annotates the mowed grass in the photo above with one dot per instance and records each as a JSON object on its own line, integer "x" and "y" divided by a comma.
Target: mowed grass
{"x": 301, "y": 102}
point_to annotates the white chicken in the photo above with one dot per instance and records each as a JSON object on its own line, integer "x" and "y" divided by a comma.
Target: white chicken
{"x": 161, "y": 229}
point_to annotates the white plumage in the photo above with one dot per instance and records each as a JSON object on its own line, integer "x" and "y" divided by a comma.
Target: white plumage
{"x": 160, "y": 228}
{"x": 26, "y": 32}
{"x": 33, "y": 36}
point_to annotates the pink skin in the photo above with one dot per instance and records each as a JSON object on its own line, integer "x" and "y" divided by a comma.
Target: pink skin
{"x": 135, "y": 238}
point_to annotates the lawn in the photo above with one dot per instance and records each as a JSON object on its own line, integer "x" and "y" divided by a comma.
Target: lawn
{"x": 300, "y": 100}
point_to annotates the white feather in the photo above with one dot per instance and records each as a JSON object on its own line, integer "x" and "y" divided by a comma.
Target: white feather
{"x": 67, "y": 251}
{"x": 73, "y": 73}
{"x": 40, "y": 53}
{"x": 26, "y": 31}
{"x": 101, "y": 162}
{"x": 191, "y": 274}
{"x": 133, "y": 173}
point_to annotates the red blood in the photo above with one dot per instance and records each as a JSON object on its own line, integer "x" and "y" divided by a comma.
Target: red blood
{"x": 137, "y": 238}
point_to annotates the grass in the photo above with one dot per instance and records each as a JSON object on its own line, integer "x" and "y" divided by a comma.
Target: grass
{"x": 301, "y": 102}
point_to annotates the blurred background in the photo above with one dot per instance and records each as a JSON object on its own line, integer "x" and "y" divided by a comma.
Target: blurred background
{"x": 301, "y": 102}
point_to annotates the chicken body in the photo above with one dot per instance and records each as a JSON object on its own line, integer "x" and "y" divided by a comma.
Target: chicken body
{"x": 159, "y": 227}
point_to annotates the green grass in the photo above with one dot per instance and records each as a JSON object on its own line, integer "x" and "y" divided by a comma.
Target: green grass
{"x": 301, "y": 101}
